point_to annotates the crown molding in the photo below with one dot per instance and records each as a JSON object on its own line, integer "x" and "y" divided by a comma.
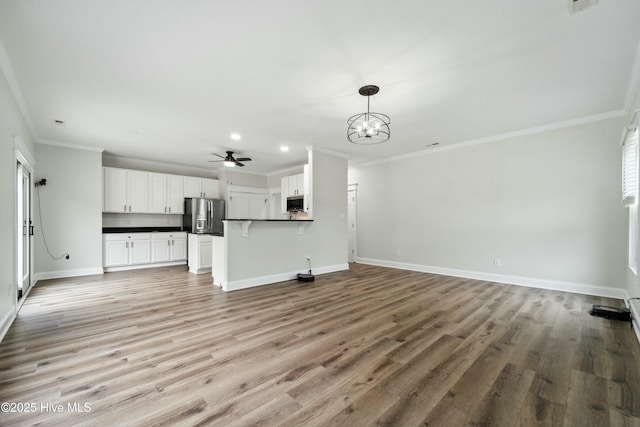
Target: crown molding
{"x": 69, "y": 145}
{"x": 312, "y": 148}
{"x": 634, "y": 81}
{"x": 10, "y": 76}
{"x": 501, "y": 137}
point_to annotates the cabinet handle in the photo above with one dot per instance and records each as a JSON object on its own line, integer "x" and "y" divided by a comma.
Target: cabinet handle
{"x": 126, "y": 245}
{"x": 132, "y": 244}
{"x": 129, "y": 208}
{"x": 172, "y": 243}
{"x": 169, "y": 209}
{"x": 165, "y": 209}
{"x": 125, "y": 208}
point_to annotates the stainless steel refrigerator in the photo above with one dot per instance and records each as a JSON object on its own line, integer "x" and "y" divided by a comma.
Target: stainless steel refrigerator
{"x": 203, "y": 216}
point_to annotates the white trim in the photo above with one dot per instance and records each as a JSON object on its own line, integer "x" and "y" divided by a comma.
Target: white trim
{"x": 634, "y": 80}
{"x": 295, "y": 169}
{"x": 634, "y": 306}
{"x": 69, "y": 145}
{"x": 23, "y": 154}
{"x": 7, "y": 322}
{"x": 245, "y": 189}
{"x": 235, "y": 285}
{"x": 7, "y": 70}
{"x": 500, "y": 137}
{"x": 141, "y": 266}
{"x": 554, "y": 285}
{"x": 313, "y": 148}
{"x": 61, "y": 274}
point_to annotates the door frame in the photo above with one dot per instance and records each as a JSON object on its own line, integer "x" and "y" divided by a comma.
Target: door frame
{"x": 27, "y": 161}
{"x": 353, "y": 189}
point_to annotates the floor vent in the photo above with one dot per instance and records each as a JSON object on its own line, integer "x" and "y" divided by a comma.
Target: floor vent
{"x": 576, "y": 6}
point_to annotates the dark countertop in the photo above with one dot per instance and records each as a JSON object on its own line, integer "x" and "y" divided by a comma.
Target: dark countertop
{"x": 139, "y": 229}
{"x": 271, "y": 220}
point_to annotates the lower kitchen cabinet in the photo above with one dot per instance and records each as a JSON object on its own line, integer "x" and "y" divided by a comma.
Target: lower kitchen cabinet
{"x": 200, "y": 253}
{"x": 122, "y": 251}
{"x": 168, "y": 247}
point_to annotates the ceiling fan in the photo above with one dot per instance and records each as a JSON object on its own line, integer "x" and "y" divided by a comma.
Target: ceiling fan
{"x": 229, "y": 160}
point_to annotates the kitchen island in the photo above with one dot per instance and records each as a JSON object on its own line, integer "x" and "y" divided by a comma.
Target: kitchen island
{"x": 255, "y": 252}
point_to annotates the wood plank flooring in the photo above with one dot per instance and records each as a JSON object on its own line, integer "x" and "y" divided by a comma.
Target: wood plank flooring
{"x": 369, "y": 346}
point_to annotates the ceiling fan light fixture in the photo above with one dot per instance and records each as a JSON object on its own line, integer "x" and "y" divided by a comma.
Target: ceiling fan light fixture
{"x": 229, "y": 164}
{"x": 368, "y": 128}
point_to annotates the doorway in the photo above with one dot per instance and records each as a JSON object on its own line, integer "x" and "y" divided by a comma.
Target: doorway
{"x": 23, "y": 227}
{"x": 351, "y": 222}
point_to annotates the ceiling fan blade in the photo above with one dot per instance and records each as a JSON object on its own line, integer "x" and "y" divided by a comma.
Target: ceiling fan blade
{"x": 214, "y": 161}
{"x": 222, "y": 157}
{"x": 243, "y": 159}
{"x": 239, "y": 164}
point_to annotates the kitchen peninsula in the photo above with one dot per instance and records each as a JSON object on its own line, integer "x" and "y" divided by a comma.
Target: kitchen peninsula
{"x": 256, "y": 252}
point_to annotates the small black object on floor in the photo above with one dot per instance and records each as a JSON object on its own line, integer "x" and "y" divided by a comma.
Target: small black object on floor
{"x": 612, "y": 313}
{"x": 306, "y": 277}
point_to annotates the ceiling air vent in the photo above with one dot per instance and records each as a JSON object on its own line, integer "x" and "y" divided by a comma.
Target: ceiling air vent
{"x": 576, "y": 6}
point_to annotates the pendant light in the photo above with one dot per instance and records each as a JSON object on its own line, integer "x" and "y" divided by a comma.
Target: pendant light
{"x": 368, "y": 128}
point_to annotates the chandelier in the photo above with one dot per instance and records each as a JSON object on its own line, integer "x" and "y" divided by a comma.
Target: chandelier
{"x": 368, "y": 128}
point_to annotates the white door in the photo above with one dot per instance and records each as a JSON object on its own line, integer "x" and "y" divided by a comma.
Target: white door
{"x": 257, "y": 206}
{"x": 237, "y": 208}
{"x": 23, "y": 179}
{"x": 351, "y": 225}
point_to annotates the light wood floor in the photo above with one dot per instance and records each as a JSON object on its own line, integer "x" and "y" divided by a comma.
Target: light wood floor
{"x": 371, "y": 346}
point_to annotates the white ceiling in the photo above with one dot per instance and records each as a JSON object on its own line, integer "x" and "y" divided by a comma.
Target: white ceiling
{"x": 169, "y": 81}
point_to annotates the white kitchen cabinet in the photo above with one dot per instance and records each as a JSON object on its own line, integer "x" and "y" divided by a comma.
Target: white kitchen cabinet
{"x": 168, "y": 246}
{"x": 166, "y": 193}
{"x": 293, "y": 186}
{"x": 200, "y": 254}
{"x": 125, "y": 190}
{"x": 201, "y": 187}
{"x": 123, "y": 249}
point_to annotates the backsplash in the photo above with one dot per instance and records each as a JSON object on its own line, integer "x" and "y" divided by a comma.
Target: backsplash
{"x": 140, "y": 220}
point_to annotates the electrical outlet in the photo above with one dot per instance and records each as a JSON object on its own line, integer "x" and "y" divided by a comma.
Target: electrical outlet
{"x": 398, "y": 253}
{"x": 497, "y": 262}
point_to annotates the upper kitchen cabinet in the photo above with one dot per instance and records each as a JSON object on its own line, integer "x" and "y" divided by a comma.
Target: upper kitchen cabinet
{"x": 295, "y": 186}
{"x": 201, "y": 187}
{"x": 125, "y": 190}
{"x": 166, "y": 193}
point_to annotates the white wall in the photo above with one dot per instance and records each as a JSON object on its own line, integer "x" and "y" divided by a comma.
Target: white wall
{"x": 11, "y": 124}
{"x": 547, "y": 205}
{"x": 276, "y": 251}
{"x": 71, "y": 207}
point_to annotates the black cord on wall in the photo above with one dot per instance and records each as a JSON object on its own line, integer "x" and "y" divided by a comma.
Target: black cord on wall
{"x": 39, "y": 184}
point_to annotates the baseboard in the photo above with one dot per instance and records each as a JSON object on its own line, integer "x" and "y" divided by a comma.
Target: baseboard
{"x": 634, "y": 306}
{"x": 7, "y": 321}
{"x": 554, "y": 285}
{"x": 235, "y": 285}
{"x": 60, "y": 274}
{"x": 141, "y": 266}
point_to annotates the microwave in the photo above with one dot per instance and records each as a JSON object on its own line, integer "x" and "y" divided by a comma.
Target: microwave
{"x": 295, "y": 204}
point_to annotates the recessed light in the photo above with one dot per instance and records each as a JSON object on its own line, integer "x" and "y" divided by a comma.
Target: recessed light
{"x": 235, "y": 136}
{"x": 284, "y": 148}
{"x": 58, "y": 122}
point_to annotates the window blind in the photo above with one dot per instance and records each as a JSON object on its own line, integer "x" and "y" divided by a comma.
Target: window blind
{"x": 630, "y": 168}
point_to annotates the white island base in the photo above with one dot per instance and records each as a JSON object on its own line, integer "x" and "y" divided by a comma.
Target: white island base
{"x": 260, "y": 252}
